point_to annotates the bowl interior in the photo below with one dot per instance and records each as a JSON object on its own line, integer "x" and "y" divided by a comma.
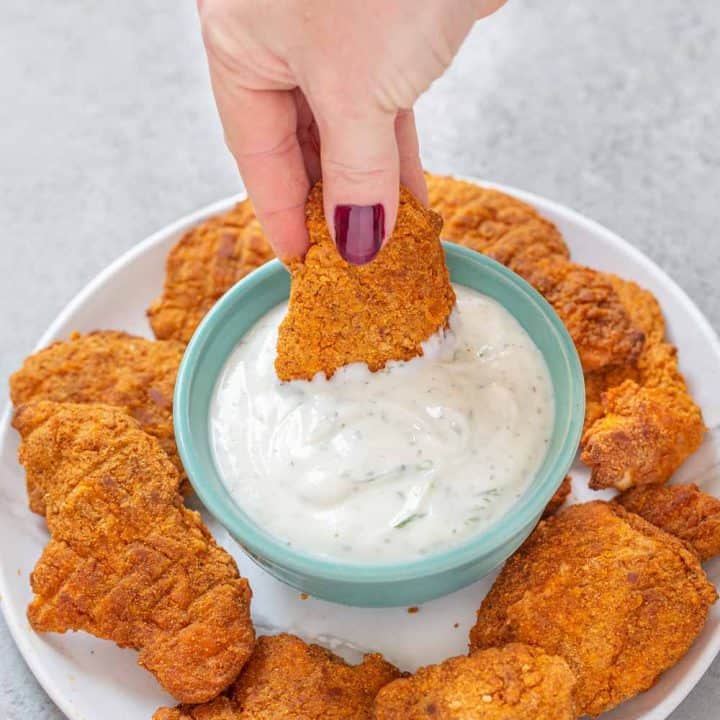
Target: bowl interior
{"x": 238, "y": 310}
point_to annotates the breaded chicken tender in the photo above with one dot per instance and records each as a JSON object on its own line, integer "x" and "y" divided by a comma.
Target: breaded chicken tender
{"x": 107, "y": 367}
{"x": 127, "y": 561}
{"x": 514, "y": 682}
{"x": 641, "y": 421}
{"x": 642, "y": 306}
{"x": 681, "y": 510}
{"x": 619, "y": 599}
{"x": 287, "y": 679}
{"x": 488, "y": 220}
{"x": 559, "y": 498}
{"x": 513, "y": 233}
{"x": 591, "y": 311}
{"x": 207, "y": 261}
{"x": 341, "y": 313}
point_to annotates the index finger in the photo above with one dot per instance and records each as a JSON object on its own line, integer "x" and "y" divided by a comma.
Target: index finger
{"x": 261, "y": 132}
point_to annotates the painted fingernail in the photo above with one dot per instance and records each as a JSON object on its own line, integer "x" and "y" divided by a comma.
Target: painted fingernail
{"x": 359, "y": 231}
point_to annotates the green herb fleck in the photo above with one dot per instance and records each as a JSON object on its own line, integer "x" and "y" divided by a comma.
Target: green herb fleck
{"x": 408, "y": 520}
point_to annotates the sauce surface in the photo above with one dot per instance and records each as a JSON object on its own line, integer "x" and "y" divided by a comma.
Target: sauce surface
{"x": 387, "y": 466}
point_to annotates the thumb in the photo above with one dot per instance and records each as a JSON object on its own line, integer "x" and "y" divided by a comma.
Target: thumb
{"x": 360, "y": 172}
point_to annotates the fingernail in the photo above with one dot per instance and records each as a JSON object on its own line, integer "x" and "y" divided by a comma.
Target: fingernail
{"x": 359, "y": 231}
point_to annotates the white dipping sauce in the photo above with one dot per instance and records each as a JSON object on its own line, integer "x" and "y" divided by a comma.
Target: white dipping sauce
{"x": 393, "y": 465}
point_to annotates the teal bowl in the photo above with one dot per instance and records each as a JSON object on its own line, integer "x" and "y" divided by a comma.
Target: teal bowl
{"x": 393, "y": 584}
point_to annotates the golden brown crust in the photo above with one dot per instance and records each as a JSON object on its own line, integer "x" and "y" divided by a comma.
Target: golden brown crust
{"x": 514, "y": 234}
{"x": 515, "y": 682}
{"x": 288, "y": 679}
{"x": 488, "y": 220}
{"x": 619, "y": 599}
{"x": 559, "y": 498}
{"x": 646, "y": 314}
{"x": 590, "y": 309}
{"x": 681, "y": 510}
{"x": 641, "y": 421}
{"x": 207, "y": 261}
{"x": 341, "y": 313}
{"x": 221, "y": 708}
{"x": 642, "y": 306}
{"x": 109, "y": 367}
{"x": 127, "y": 561}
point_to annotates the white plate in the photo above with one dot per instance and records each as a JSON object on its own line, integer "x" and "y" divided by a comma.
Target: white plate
{"x": 82, "y": 674}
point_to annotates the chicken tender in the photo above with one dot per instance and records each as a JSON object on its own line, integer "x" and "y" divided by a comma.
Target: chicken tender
{"x": 488, "y": 220}
{"x": 207, "y": 261}
{"x": 287, "y": 679}
{"x": 107, "y": 367}
{"x": 641, "y": 421}
{"x": 341, "y": 313}
{"x": 646, "y": 315}
{"x": 619, "y": 599}
{"x": 646, "y": 433}
{"x": 559, "y": 498}
{"x": 642, "y": 306}
{"x": 127, "y": 561}
{"x": 514, "y": 234}
{"x": 681, "y": 510}
{"x": 515, "y": 682}
{"x": 591, "y": 311}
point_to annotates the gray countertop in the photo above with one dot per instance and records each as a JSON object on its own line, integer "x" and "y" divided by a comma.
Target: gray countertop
{"x": 108, "y": 131}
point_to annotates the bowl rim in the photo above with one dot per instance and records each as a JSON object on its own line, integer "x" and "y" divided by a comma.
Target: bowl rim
{"x": 265, "y": 546}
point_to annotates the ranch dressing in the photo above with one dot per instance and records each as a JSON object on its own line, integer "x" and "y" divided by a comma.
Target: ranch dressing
{"x": 393, "y": 465}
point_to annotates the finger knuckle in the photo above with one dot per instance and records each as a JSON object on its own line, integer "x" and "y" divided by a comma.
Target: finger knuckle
{"x": 350, "y": 174}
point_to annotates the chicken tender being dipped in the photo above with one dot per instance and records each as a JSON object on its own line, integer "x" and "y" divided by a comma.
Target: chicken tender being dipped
{"x": 514, "y": 682}
{"x": 288, "y": 679}
{"x": 681, "y": 510}
{"x": 108, "y": 367}
{"x": 341, "y": 313}
{"x": 620, "y": 600}
{"x": 127, "y": 561}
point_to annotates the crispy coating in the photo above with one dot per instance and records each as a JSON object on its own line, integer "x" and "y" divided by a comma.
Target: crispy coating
{"x": 646, "y": 314}
{"x": 641, "y": 421}
{"x": 341, "y": 313}
{"x": 107, "y": 367}
{"x": 489, "y": 221}
{"x": 287, "y": 679}
{"x": 515, "y": 682}
{"x": 207, "y": 261}
{"x": 681, "y": 510}
{"x": 642, "y": 306}
{"x": 619, "y": 599}
{"x": 591, "y": 310}
{"x": 127, "y": 561}
{"x": 513, "y": 233}
{"x": 559, "y": 498}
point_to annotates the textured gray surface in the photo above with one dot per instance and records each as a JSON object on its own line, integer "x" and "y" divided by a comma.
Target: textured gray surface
{"x": 107, "y": 132}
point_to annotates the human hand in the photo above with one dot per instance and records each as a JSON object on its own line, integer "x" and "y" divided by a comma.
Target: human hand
{"x": 319, "y": 88}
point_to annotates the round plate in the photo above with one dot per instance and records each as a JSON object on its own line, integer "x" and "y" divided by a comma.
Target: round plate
{"x": 82, "y": 673}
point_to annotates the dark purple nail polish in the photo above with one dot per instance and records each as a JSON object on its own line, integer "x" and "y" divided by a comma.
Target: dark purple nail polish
{"x": 359, "y": 231}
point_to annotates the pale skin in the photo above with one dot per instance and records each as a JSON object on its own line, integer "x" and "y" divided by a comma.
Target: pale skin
{"x": 310, "y": 89}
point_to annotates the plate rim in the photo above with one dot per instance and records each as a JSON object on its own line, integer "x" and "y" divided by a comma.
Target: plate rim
{"x": 22, "y": 636}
